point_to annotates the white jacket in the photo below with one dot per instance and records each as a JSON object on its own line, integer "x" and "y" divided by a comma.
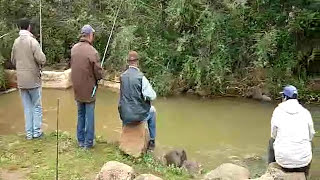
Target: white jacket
{"x": 292, "y": 129}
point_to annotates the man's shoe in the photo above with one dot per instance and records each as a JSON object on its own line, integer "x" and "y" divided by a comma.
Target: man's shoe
{"x": 81, "y": 145}
{"x": 29, "y": 138}
{"x": 151, "y": 145}
{"x": 39, "y": 137}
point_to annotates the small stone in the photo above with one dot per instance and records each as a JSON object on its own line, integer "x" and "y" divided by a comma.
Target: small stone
{"x": 190, "y": 91}
{"x": 228, "y": 171}
{"x": 194, "y": 168}
{"x": 114, "y": 170}
{"x": 147, "y": 177}
{"x": 274, "y": 171}
{"x": 266, "y": 98}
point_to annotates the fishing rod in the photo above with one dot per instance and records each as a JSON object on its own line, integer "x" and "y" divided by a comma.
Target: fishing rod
{"x": 57, "y": 155}
{"x": 107, "y": 46}
{"x": 40, "y": 24}
{"x": 5, "y": 35}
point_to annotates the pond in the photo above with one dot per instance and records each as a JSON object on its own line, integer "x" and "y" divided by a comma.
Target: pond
{"x": 212, "y": 131}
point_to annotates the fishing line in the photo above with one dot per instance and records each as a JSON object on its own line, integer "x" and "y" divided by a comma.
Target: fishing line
{"x": 40, "y": 24}
{"x": 107, "y": 46}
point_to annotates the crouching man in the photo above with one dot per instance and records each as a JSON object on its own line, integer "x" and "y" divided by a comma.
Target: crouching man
{"x": 291, "y": 134}
{"x": 136, "y": 94}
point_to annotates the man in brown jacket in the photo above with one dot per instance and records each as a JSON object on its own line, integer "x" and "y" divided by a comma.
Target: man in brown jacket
{"x": 85, "y": 72}
{"x": 27, "y": 57}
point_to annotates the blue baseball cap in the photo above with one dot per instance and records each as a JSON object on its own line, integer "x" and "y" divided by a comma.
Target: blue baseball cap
{"x": 87, "y": 29}
{"x": 289, "y": 91}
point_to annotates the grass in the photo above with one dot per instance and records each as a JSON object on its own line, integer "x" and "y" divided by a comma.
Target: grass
{"x": 38, "y": 158}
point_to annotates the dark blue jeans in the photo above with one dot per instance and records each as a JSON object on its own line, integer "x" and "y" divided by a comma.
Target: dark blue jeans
{"x": 85, "y": 127}
{"x": 151, "y": 120}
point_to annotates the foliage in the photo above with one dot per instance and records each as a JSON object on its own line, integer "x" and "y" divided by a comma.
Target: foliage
{"x": 5, "y": 49}
{"x": 207, "y": 45}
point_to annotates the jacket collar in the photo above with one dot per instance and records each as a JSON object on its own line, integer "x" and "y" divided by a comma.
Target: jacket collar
{"x": 25, "y": 33}
{"x": 134, "y": 67}
{"x": 85, "y": 40}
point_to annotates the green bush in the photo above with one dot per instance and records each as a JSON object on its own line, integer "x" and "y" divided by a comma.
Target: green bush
{"x": 207, "y": 45}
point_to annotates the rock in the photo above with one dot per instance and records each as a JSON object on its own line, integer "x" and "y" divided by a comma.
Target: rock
{"x": 190, "y": 91}
{"x": 202, "y": 92}
{"x": 252, "y": 157}
{"x": 266, "y": 98}
{"x": 134, "y": 139}
{"x": 8, "y": 91}
{"x": 175, "y": 157}
{"x": 50, "y": 79}
{"x": 20, "y": 174}
{"x": 228, "y": 171}
{"x": 147, "y": 177}
{"x": 274, "y": 172}
{"x": 57, "y": 80}
{"x": 192, "y": 167}
{"x": 258, "y": 95}
{"x": 114, "y": 170}
{"x": 314, "y": 85}
{"x": 110, "y": 84}
{"x": 11, "y": 77}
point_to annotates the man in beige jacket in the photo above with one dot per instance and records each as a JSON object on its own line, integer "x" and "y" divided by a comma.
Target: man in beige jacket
{"x": 27, "y": 57}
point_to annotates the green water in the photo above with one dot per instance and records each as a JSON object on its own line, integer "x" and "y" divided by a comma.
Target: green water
{"x": 212, "y": 131}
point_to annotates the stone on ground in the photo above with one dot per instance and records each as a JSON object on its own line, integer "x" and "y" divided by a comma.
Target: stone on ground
{"x": 134, "y": 139}
{"x": 114, "y": 170}
{"x": 192, "y": 167}
{"x": 58, "y": 80}
{"x": 11, "y": 77}
{"x": 274, "y": 172}
{"x": 147, "y": 177}
{"x": 228, "y": 171}
{"x": 50, "y": 79}
{"x": 20, "y": 174}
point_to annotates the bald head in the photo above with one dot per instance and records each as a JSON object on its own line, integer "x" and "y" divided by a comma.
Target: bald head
{"x": 133, "y": 58}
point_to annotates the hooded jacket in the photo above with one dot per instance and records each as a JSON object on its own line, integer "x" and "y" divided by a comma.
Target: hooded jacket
{"x": 27, "y": 56}
{"x": 292, "y": 128}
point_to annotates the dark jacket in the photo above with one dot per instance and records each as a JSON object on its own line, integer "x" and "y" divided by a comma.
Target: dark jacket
{"x": 85, "y": 70}
{"x": 132, "y": 106}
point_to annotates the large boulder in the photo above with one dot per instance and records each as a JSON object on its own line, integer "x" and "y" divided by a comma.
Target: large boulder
{"x": 57, "y": 80}
{"x": 147, "y": 177}
{"x": 258, "y": 94}
{"x": 275, "y": 172}
{"x": 134, "y": 139}
{"x": 50, "y": 79}
{"x": 11, "y": 77}
{"x": 110, "y": 84}
{"x": 228, "y": 171}
{"x": 114, "y": 170}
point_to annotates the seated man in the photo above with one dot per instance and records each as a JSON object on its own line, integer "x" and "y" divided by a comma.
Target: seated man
{"x": 292, "y": 132}
{"x": 136, "y": 95}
